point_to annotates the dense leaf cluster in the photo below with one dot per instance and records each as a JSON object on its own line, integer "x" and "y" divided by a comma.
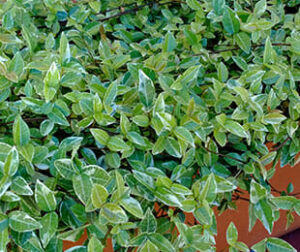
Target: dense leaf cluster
{"x": 109, "y": 108}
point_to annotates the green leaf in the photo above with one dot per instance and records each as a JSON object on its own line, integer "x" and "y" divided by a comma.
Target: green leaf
{"x": 159, "y": 145}
{"x": 9, "y": 39}
{"x": 4, "y": 239}
{"x": 268, "y": 158}
{"x": 203, "y": 214}
{"x": 148, "y": 224}
{"x": 72, "y": 235}
{"x": 5, "y": 183}
{"x": 11, "y": 163}
{"x": 243, "y": 40}
{"x": 231, "y": 234}
{"x": 7, "y": 76}
{"x": 235, "y": 128}
{"x": 265, "y": 214}
{"x": 185, "y": 232}
{"x": 290, "y": 188}
{"x": 29, "y": 38}
{"x": 17, "y": 64}
{"x": 144, "y": 179}
{"x": 140, "y": 120}
{"x": 51, "y": 82}
{"x": 95, "y": 245}
{"x": 274, "y": 118}
{"x": 209, "y": 190}
{"x": 120, "y": 185}
{"x": 218, "y": 6}
{"x": 260, "y": 246}
{"x": 194, "y": 4}
{"x": 184, "y": 135}
{"x": 112, "y": 160}
{"x": 4, "y": 150}
{"x": 20, "y": 221}
{"x": 21, "y": 132}
{"x": 230, "y": 21}
{"x": 241, "y": 63}
{"x": 65, "y": 168}
{"x": 33, "y": 244}
{"x": 64, "y": 49}
{"x": 21, "y": 187}
{"x": 138, "y": 240}
{"x": 132, "y": 206}
{"x": 170, "y": 42}
{"x": 116, "y": 143}
{"x": 27, "y": 152}
{"x": 146, "y": 90}
{"x": 257, "y": 192}
{"x": 172, "y": 147}
{"x": 167, "y": 197}
{"x": 49, "y": 227}
{"x": 279, "y": 245}
{"x": 44, "y": 197}
{"x": 136, "y": 138}
{"x": 97, "y": 174}
{"x": 83, "y": 187}
{"x": 224, "y": 185}
{"x": 99, "y": 195}
{"x": 3, "y": 222}
{"x": 240, "y": 246}
{"x": 46, "y": 127}
{"x": 5, "y": 84}
{"x": 111, "y": 93}
{"x": 161, "y": 242}
{"x": 260, "y": 8}
{"x": 222, "y": 72}
{"x": 189, "y": 75}
{"x": 191, "y": 37}
{"x": 268, "y": 52}
{"x": 96, "y": 6}
{"x": 284, "y": 202}
{"x": 149, "y": 246}
{"x": 100, "y": 135}
{"x": 114, "y": 213}
{"x": 58, "y": 117}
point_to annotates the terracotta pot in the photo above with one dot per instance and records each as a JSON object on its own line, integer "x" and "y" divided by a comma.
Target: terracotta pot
{"x": 240, "y": 216}
{"x": 68, "y": 244}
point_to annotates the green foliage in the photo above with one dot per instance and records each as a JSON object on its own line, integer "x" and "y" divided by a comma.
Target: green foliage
{"x": 107, "y": 110}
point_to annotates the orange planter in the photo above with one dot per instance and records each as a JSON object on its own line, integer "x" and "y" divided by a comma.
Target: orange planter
{"x": 280, "y": 180}
{"x": 283, "y": 176}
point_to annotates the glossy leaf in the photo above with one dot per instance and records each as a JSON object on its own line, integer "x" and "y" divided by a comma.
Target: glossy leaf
{"x": 44, "y": 197}
{"x": 99, "y": 195}
{"x": 21, "y": 222}
{"x": 11, "y": 163}
{"x": 230, "y": 21}
{"x": 148, "y": 224}
{"x": 49, "y": 227}
{"x": 231, "y": 234}
{"x": 276, "y": 244}
{"x": 113, "y": 213}
{"x": 51, "y": 82}
{"x": 21, "y": 132}
{"x": 82, "y": 186}
{"x": 146, "y": 90}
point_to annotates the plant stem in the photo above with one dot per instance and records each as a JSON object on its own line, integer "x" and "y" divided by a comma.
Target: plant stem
{"x": 237, "y": 48}
{"x": 133, "y": 10}
{"x": 26, "y": 120}
{"x": 223, "y": 155}
{"x": 281, "y": 145}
